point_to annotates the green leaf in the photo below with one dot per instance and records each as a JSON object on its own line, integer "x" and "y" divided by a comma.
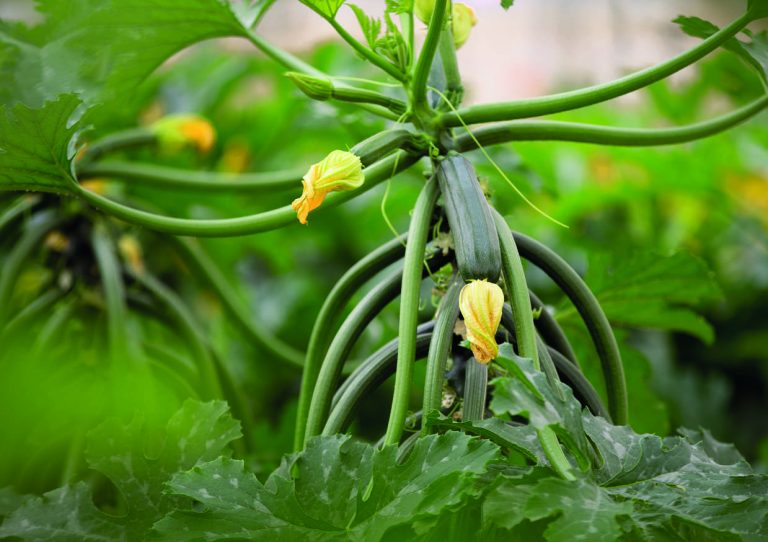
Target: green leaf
{"x": 37, "y": 145}
{"x": 337, "y": 489}
{"x": 529, "y": 394}
{"x": 690, "y": 488}
{"x": 520, "y": 438}
{"x": 650, "y": 291}
{"x": 370, "y": 26}
{"x": 326, "y": 8}
{"x": 753, "y": 52}
{"x": 506, "y": 4}
{"x": 584, "y": 511}
{"x": 139, "y": 464}
{"x": 758, "y": 8}
{"x": 399, "y": 6}
{"x": 101, "y": 50}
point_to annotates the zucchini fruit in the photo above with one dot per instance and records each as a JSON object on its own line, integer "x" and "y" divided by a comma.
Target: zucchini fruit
{"x": 475, "y": 240}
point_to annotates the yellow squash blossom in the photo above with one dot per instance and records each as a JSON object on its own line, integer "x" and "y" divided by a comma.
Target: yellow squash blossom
{"x": 175, "y": 131}
{"x": 480, "y": 303}
{"x": 340, "y": 170}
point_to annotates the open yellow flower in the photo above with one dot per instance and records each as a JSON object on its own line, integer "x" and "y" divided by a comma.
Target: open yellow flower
{"x": 480, "y": 303}
{"x": 340, "y": 170}
{"x": 174, "y": 131}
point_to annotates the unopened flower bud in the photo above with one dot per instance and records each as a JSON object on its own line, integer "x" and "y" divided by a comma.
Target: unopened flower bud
{"x": 317, "y": 88}
{"x": 176, "y": 131}
{"x": 480, "y": 303}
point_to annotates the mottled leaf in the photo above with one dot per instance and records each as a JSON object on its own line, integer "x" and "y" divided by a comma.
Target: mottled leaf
{"x": 337, "y": 489}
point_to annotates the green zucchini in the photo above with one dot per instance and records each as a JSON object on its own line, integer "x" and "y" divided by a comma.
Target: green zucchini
{"x": 475, "y": 240}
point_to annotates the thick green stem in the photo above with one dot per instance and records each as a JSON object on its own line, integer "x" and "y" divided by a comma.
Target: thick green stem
{"x": 582, "y": 388}
{"x": 13, "y": 264}
{"x": 16, "y": 209}
{"x": 354, "y": 325}
{"x": 409, "y": 302}
{"x": 528, "y": 343}
{"x": 595, "y": 94}
{"x": 439, "y": 349}
{"x": 27, "y": 316}
{"x": 373, "y": 372}
{"x": 517, "y": 292}
{"x": 171, "y": 178}
{"x": 231, "y": 300}
{"x": 475, "y": 388}
{"x": 208, "y": 378}
{"x": 362, "y": 96}
{"x": 426, "y": 57}
{"x": 125, "y": 139}
{"x": 113, "y": 288}
{"x": 230, "y": 227}
{"x": 334, "y": 304}
{"x": 551, "y": 332}
{"x": 606, "y": 135}
{"x": 592, "y": 314}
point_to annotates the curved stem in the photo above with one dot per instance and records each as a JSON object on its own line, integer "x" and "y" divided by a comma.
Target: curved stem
{"x": 575, "y": 99}
{"x": 124, "y": 139}
{"x": 362, "y": 96}
{"x": 113, "y": 289}
{"x": 582, "y": 388}
{"x": 373, "y": 372}
{"x": 36, "y": 229}
{"x": 606, "y": 135}
{"x": 551, "y": 332}
{"x": 29, "y": 314}
{"x": 409, "y": 301}
{"x": 16, "y": 209}
{"x": 329, "y": 313}
{"x": 230, "y": 227}
{"x": 554, "y": 453}
{"x": 373, "y": 57}
{"x": 592, "y": 314}
{"x": 194, "y": 254}
{"x": 426, "y": 57}
{"x": 172, "y": 178}
{"x": 439, "y": 349}
{"x": 178, "y": 312}
{"x": 354, "y": 325}
{"x": 517, "y": 292}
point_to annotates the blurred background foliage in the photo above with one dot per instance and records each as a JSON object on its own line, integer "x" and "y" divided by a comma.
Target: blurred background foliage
{"x": 709, "y": 199}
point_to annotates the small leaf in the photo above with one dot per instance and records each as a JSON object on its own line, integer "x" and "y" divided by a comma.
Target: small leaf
{"x": 326, "y": 8}
{"x": 36, "y": 145}
{"x": 370, "y": 26}
{"x": 506, "y": 4}
{"x": 753, "y": 52}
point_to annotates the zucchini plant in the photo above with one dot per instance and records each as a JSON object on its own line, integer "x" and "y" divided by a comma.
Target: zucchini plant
{"x": 511, "y": 439}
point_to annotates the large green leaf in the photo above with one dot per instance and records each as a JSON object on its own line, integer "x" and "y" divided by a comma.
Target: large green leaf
{"x": 651, "y": 291}
{"x": 139, "y": 465}
{"x": 102, "y": 49}
{"x": 36, "y": 145}
{"x": 337, "y": 489}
